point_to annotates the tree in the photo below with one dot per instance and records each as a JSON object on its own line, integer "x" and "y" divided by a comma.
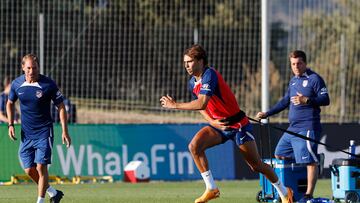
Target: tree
{"x": 324, "y": 31}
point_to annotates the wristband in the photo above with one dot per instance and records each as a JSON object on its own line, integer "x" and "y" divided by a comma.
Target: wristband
{"x": 11, "y": 124}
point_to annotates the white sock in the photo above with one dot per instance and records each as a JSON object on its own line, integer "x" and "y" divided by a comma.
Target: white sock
{"x": 281, "y": 189}
{"x": 209, "y": 180}
{"x": 51, "y": 191}
{"x": 40, "y": 200}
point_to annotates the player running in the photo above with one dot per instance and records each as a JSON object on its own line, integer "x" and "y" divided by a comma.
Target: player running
{"x": 35, "y": 93}
{"x": 213, "y": 98}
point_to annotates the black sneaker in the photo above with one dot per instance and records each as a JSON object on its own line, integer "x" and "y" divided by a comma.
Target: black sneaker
{"x": 56, "y": 199}
{"x": 305, "y": 198}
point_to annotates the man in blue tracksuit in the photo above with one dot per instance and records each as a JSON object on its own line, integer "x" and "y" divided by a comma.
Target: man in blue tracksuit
{"x": 306, "y": 93}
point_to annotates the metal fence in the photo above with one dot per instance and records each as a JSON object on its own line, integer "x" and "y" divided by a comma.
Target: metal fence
{"x": 116, "y": 57}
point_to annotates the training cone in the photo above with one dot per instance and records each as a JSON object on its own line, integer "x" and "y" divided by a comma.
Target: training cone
{"x": 136, "y": 171}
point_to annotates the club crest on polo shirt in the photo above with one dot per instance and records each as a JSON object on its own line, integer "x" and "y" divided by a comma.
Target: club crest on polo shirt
{"x": 39, "y": 93}
{"x": 305, "y": 83}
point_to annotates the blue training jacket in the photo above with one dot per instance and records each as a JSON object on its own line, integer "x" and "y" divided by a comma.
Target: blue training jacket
{"x": 304, "y": 117}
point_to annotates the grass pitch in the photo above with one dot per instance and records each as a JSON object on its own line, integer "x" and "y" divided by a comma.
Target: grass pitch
{"x": 153, "y": 192}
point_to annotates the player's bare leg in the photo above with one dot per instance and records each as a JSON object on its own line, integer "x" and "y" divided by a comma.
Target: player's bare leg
{"x": 33, "y": 173}
{"x": 43, "y": 183}
{"x": 251, "y": 156}
{"x": 206, "y": 138}
{"x": 312, "y": 175}
{"x": 53, "y": 193}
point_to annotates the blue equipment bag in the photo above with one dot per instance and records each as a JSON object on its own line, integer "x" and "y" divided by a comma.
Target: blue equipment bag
{"x": 345, "y": 179}
{"x": 291, "y": 174}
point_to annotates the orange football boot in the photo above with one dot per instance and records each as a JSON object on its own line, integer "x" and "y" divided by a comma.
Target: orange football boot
{"x": 208, "y": 195}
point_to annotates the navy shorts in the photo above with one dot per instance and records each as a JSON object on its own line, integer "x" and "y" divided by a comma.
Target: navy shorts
{"x": 239, "y": 136}
{"x": 303, "y": 151}
{"x": 36, "y": 151}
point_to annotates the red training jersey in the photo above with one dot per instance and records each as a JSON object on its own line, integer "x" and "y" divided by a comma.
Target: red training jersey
{"x": 222, "y": 103}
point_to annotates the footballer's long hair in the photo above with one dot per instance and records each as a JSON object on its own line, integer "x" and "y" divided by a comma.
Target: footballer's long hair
{"x": 196, "y": 52}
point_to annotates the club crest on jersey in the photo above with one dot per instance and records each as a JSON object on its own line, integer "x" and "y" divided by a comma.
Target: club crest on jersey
{"x": 39, "y": 93}
{"x": 305, "y": 83}
{"x": 205, "y": 87}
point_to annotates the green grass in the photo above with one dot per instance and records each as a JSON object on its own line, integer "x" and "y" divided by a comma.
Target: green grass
{"x": 231, "y": 191}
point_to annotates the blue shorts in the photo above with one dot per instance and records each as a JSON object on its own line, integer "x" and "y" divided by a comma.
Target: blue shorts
{"x": 239, "y": 136}
{"x": 36, "y": 151}
{"x": 303, "y": 151}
